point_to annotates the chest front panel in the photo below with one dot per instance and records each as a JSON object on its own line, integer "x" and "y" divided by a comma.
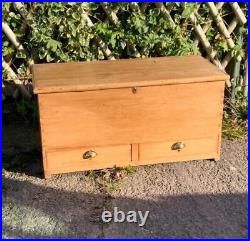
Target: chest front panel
{"x": 122, "y": 116}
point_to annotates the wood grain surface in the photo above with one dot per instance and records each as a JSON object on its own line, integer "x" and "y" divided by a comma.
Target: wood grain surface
{"x": 118, "y": 117}
{"x": 94, "y": 75}
{"x": 195, "y": 149}
{"x": 71, "y": 160}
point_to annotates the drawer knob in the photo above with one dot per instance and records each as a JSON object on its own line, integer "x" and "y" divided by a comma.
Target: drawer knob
{"x": 89, "y": 154}
{"x": 178, "y": 146}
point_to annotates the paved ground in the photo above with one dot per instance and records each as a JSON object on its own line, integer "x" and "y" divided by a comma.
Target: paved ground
{"x": 191, "y": 200}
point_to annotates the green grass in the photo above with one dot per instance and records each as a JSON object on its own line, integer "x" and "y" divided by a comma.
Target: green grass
{"x": 129, "y": 169}
{"x": 235, "y": 122}
{"x": 112, "y": 186}
{"x": 233, "y": 129}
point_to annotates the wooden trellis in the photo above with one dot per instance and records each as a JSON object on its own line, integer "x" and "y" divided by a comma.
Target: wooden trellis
{"x": 200, "y": 32}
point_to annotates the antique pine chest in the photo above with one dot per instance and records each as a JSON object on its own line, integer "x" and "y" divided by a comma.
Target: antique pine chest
{"x": 103, "y": 114}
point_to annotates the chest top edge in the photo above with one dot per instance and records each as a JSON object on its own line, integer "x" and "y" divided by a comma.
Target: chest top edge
{"x": 97, "y": 75}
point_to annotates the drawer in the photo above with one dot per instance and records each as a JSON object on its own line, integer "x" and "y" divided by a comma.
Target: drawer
{"x": 171, "y": 151}
{"x": 86, "y": 158}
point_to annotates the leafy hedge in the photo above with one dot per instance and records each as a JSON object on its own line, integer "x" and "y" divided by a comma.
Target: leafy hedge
{"x": 57, "y": 32}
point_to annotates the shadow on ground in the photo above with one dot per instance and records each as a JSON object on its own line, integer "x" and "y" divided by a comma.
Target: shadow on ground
{"x": 49, "y": 212}
{"x": 21, "y": 143}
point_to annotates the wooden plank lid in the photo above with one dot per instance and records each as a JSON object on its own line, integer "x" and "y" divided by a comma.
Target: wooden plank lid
{"x": 95, "y": 75}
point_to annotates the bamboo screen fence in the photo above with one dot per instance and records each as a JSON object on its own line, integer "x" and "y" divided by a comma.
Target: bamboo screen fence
{"x": 225, "y": 23}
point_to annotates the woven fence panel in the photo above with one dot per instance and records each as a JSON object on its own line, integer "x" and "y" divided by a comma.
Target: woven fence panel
{"x": 215, "y": 30}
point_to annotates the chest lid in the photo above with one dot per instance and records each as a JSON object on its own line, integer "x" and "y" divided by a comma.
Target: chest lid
{"x": 96, "y": 75}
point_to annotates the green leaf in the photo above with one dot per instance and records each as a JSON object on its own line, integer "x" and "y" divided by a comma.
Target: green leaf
{"x": 75, "y": 15}
{"x": 5, "y": 43}
{"x": 53, "y": 45}
{"x": 223, "y": 46}
{"x": 61, "y": 28}
{"x": 42, "y": 54}
{"x": 123, "y": 45}
{"x": 6, "y": 6}
{"x": 21, "y": 55}
{"x": 8, "y": 51}
{"x": 11, "y": 14}
{"x": 189, "y": 9}
{"x": 21, "y": 70}
{"x": 82, "y": 54}
{"x": 113, "y": 40}
{"x": 49, "y": 58}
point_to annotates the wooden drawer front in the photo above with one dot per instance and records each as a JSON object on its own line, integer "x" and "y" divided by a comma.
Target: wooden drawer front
{"x": 70, "y": 160}
{"x": 120, "y": 117}
{"x": 193, "y": 150}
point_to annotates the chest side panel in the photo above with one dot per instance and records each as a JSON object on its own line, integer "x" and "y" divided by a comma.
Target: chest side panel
{"x": 119, "y": 116}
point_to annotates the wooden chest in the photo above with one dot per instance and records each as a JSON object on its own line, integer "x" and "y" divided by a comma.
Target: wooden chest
{"x": 102, "y": 114}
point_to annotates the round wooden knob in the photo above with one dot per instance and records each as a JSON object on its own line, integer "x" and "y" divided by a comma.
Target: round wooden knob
{"x": 89, "y": 154}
